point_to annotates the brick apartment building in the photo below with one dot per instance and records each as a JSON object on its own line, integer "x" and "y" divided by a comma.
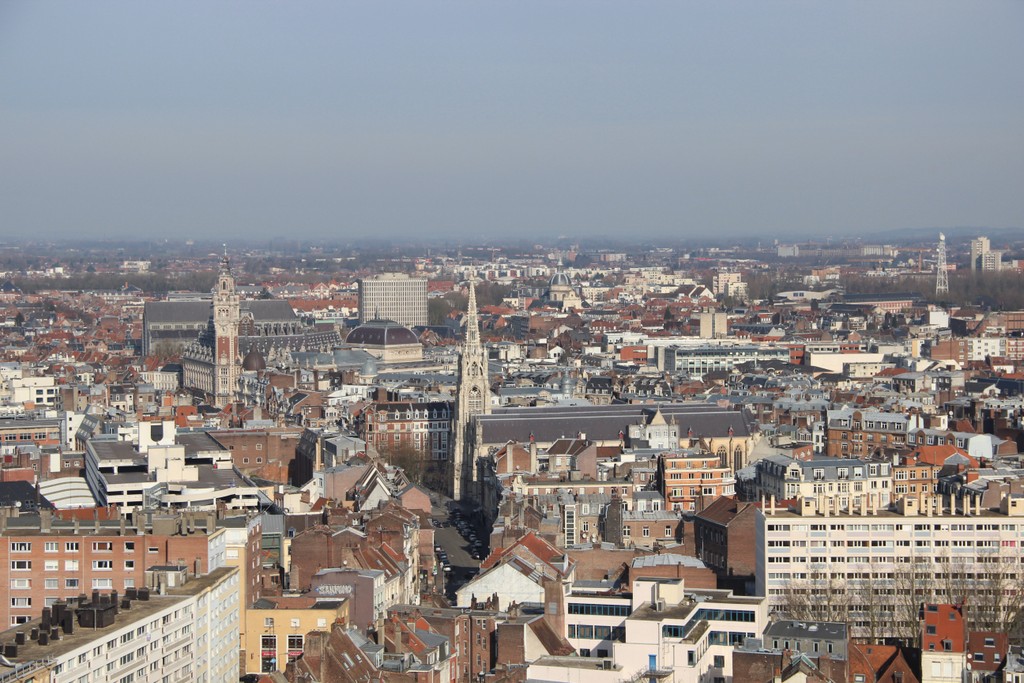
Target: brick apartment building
{"x": 19, "y": 432}
{"x": 951, "y": 348}
{"x": 424, "y": 426}
{"x": 472, "y": 634}
{"x": 265, "y": 453}
{"x": 690, "y": 480}
{"x": 724, "y": 534}
{"x": 856, "y": 433}
{"x": 48, "y": 559}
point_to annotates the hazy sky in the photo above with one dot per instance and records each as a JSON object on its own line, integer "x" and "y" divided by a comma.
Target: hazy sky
{"x": 483, "y": 119}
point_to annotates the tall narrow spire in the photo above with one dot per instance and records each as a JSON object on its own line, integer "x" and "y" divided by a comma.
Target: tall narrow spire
{"x": 472, "y": 399}
{"x": 472, "y": 319}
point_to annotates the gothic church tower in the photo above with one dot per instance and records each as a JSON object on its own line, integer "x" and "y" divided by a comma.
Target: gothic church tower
{"x": 473, "y": 398}
{"x": 226, "y": 315}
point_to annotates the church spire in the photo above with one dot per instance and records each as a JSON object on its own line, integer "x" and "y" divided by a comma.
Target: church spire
{"x": 472, "y": 319}
{"x": 472, "y": 399}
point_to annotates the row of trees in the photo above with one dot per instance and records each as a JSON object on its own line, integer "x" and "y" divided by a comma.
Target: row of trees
{"x": 884, "y": 601}
{"x": 419, "y": 467}
{"x": 151, "y": 283}
{"x": 999, "y": 291}
{"x": 487, "y": 294}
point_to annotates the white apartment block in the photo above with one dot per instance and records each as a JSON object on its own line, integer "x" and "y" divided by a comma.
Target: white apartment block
{"x": 815, "y": 562}
{"x": 393, "y": 296}
{"x": 725, "y": 280}
{"x": 982, "y": 348}
{"x": 190, "y": 633}
{"x": 40, "y": 391}
{"x": 660, "y": 631}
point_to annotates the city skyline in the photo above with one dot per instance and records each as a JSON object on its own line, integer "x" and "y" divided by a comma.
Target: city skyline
{"x": 462, "y": 121}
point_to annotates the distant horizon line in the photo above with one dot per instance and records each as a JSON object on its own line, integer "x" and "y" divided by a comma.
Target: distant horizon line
{"x": 891, "y": 236}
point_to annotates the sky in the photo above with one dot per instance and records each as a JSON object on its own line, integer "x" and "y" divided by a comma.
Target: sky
{"x": 483, "y": 121}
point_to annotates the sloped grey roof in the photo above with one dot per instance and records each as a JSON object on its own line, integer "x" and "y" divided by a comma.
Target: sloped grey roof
{"x": 602, "y": 423}
{"x": 177, "y": 311}
{"x": 666, "y": 559}
{"x": 268, "y": 310}
{"x": 262, "y": 310}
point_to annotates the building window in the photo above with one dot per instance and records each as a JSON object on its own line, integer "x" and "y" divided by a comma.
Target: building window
{"x": 268, "y": 653}
{"x": 21, "y": 547}
{"x": 645, "y": 532}
{"x": 71, "y": 547}
{"x": 51, "y": 546}
{"x": 294, "y": 647}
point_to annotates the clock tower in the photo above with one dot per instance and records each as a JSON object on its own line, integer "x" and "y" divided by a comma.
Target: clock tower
{"x": 226, "y": 315}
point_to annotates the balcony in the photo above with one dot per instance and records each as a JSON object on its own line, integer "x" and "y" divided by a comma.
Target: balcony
{"x": 645, "y": 674}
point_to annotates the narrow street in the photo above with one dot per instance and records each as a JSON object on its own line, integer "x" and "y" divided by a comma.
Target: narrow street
{"x": 458, "y": 549}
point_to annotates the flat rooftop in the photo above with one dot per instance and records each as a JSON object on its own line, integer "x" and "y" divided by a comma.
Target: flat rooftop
{"x": 141, "y": 610}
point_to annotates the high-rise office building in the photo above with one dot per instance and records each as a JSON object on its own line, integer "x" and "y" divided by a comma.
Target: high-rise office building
{"x": 393, "y": 296}
{"x": 983, "y": 257}
{"x": 979, "y": 246}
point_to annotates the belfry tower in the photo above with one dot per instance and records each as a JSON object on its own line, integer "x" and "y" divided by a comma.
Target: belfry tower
{"x": 472, "y": 398}
{"x": 226, "y": 315}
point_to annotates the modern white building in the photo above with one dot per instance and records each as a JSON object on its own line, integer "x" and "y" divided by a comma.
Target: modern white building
{"x": 719, "y": 358}
{"x": 660, "y": 631}
{"x": 166, "y": 476}
{"x": 814, "y": 562}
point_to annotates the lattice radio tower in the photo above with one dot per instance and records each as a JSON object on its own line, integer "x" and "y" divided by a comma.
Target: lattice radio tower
{"x": 941, "y": 273}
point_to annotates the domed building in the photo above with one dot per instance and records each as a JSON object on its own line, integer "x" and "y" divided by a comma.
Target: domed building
{"x": 387, "y": 341}
{"x": 254, "y": 361}
{"x": 561, "y": 293}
